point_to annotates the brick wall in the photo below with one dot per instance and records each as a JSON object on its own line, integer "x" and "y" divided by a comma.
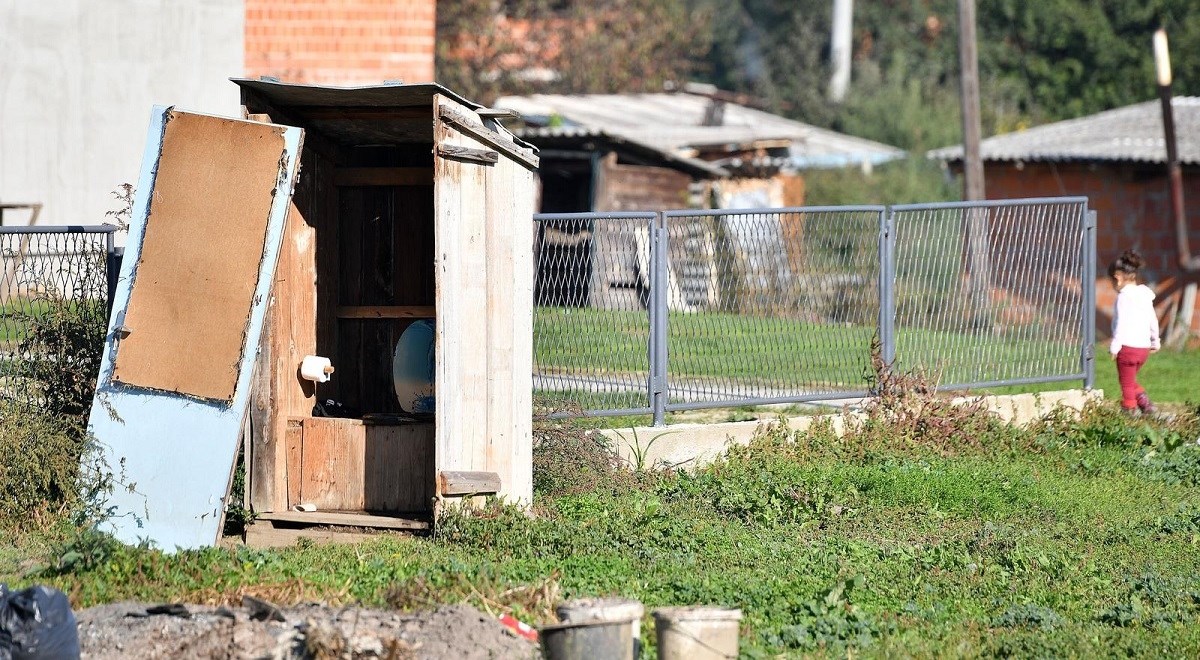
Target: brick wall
{"x": 1133, "y": 210}
{"x": 344, "y": 42}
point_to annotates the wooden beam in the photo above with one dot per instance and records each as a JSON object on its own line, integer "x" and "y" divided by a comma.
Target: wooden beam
{"x": 486, "y": 135}
{"x": 383, "y": 176}
{"x": 345, "y": 519}
{"x": 458, "y": 484}
{"x": 481, "y": 156}
{"x": 264, "y": 534}
{"x": 387, "y": 312}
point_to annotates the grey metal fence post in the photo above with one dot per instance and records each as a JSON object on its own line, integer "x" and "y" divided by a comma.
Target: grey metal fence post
{"x": 110, "y": 269}
{"x": 660, "y": 281}
{"x": 1088, "y": 348}
{"x": 887, "y": 286}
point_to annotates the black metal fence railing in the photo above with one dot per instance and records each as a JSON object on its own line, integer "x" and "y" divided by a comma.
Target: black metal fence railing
{"x": 55, "y": 291}
{"x": 644, "y": 313}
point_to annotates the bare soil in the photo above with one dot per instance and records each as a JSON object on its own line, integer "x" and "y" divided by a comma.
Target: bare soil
{"x": 125, "y": 630}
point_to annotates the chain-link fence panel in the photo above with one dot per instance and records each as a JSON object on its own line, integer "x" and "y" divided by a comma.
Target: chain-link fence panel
{"x": 591, "y": 324}
{"x": 770, "y": 305}
{"x": 992, "y": 293}
{"x": 55, "y": 286}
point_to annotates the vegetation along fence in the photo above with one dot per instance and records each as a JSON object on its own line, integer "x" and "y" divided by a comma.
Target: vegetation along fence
{"x": 55, "y": 290}
{"x": 645, "y": 313}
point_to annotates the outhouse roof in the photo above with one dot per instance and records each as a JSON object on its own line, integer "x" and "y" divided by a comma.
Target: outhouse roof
{"x": 387, "y": 95}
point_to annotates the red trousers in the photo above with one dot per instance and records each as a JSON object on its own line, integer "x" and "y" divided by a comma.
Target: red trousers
{"x": 1129, "y": 361}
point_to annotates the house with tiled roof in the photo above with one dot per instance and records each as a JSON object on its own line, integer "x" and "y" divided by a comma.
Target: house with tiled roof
{"x": 1116, "y": 158}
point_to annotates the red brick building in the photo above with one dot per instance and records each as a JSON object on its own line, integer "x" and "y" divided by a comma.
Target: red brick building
{"x": 342, "y": 42}
{"x": 1118, "y": 160}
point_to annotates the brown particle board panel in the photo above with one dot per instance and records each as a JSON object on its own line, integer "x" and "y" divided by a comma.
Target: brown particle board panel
{"x": 200, "y": 256}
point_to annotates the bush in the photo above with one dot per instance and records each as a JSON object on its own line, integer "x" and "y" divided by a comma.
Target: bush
{"x": 569, "y": 460}
{"x": 39, "y": 466}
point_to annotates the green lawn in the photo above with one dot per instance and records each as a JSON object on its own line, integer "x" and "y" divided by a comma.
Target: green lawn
{"x": 773, "y": 351}
{"x": 1072, "y": 540}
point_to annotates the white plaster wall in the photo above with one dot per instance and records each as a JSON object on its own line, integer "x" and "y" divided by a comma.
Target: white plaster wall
{"x": 78, "y": 79}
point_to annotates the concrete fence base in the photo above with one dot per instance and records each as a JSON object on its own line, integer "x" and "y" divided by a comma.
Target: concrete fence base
{"x": 695, "y": 445}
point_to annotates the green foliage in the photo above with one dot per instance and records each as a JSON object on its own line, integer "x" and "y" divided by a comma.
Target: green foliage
{"x": 39, "y": 467}
{"x": 885, "y": 541}
{"x": 907, "y": 181}
{"x": 1026, "y": 615}
{"x": 829, "y": 622}
{"x": 485, "y": 49}
{"x": 1039, "y": 61}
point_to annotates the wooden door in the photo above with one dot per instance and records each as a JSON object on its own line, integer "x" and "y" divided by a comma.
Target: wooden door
{"x": 187, "y": 315}
{"x": 484, "y": 193}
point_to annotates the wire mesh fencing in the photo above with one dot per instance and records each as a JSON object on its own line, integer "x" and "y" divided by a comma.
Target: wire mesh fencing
{"x": 993, "y": 293}
{"x": 55, "y": 288}
{"x": 769, "y": 306}
{"x": 645, "y": 313}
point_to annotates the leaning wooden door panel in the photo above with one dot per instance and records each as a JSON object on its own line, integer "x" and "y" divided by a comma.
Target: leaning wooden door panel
{"x": 185, "y": 324}
{"x": 187, "y": 315}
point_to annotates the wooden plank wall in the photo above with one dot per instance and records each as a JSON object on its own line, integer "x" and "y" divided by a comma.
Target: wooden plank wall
{"x": 387, "y": 234}
{"x": 484, "y": 239}
{"x": 292, "y": 333}
{"x": 346, "y": 465}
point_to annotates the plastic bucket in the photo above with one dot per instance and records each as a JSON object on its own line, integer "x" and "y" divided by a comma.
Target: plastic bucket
{"x": 697, "y": 633}
{"x": 591, "y": 640}
{"x": 595, "y": 610}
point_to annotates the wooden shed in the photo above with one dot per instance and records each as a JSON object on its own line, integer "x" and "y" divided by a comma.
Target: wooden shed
{"x": 412, "y": 203}
{"x": 322, "y": 224}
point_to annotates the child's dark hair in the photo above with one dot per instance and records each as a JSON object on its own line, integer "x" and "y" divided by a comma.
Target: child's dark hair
{"x": 1130, "y": 262}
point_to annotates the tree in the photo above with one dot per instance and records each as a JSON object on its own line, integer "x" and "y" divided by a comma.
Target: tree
{"x": 488, "y": 48}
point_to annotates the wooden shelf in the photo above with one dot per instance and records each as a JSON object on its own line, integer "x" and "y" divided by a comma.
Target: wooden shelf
{"x": 387, "y": 312}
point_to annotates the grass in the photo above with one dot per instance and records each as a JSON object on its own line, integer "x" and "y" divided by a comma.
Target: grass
{"x": 1068, "y": 539}
{"x": 772, "y": 351}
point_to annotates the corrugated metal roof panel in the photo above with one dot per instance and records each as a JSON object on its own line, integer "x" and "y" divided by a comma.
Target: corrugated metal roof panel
{"x": 695, "y": 166}
{"x": 1131, "y": 133}
{"x": 675, "y": 122}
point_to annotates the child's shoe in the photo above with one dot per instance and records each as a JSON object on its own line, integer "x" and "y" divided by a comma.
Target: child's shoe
{"x": 1145, "y": 405}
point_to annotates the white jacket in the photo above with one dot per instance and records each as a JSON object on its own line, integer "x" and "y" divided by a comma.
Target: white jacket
{"x": 1135, "y": 323}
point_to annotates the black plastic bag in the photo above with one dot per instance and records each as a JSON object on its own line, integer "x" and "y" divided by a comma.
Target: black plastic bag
{"x": 37, "y": 624}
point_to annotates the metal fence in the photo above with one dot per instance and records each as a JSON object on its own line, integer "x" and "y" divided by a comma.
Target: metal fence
{"x": 645, "y": 313}
{"x": 55, "y": 292}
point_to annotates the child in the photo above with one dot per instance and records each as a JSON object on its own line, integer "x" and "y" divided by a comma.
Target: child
{"x": 1135, "y": 330}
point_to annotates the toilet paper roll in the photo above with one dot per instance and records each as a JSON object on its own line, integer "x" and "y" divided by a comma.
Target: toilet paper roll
{"x": 315, "y": 368}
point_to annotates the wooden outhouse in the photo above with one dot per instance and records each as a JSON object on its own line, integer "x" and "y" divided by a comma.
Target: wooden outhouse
{"x": 320, "y": 225}
{"x": 411, "y": 203}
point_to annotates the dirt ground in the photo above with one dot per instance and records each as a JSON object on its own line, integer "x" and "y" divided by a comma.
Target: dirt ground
{"x": 127, "y": 630}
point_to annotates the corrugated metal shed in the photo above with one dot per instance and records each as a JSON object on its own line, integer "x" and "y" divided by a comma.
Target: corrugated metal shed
{"x": 549, "y": 137}
{"x": 675, "y": 122}
{"x": 1133, "y": 133}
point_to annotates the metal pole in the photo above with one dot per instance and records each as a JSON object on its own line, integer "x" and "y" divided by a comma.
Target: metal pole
{"x": 1088, "y": 352}
{"x": 658, "y": 328}
{"x": 887, "y": 286}
{"x": 110, "y": 270}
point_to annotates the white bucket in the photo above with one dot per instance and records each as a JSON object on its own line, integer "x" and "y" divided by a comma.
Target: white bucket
{"x": 697, "y": 633}
{"x": 597, "y": 610}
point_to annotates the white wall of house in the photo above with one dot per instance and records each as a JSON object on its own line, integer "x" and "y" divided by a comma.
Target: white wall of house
{"x": 78, "y": 79}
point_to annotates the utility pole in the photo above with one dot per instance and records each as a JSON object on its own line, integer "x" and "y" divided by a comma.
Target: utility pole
{"x": 1182, "y": 325}
{"x": 968, "y": 60}
{"x": 976, "y": 219}
{"x": 840, "y": 49}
